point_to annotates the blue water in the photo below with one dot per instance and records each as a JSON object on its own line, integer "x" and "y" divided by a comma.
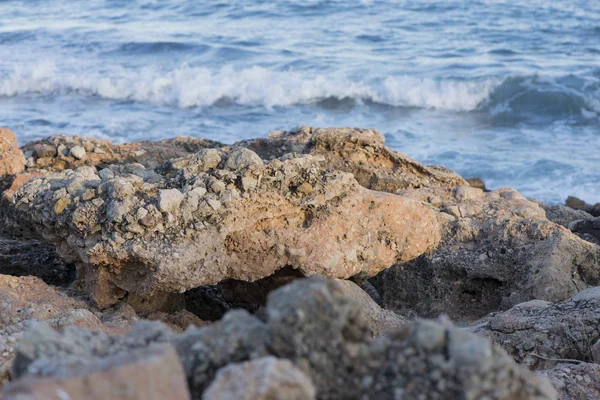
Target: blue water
{"x": 505, "y": 90}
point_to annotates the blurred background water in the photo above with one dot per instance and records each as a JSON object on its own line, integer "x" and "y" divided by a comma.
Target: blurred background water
{"x": 508, "y": 91}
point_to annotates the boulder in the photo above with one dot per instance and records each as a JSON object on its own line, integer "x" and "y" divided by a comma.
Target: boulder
{"x": 575, "y": 381}
{"x": 123, "y": 230}
{"x": 578, "y": 204}
{"x": 359, "y": 151}
{"x": 12, "y": 160}
{"x": 497, "y": 250}
{"x": 266, "y": 378}
{"x": 539, "y": 334}
{"x": 151, "y": 373}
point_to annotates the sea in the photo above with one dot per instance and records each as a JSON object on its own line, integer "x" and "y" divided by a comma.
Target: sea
{"x": 504, "y": 90}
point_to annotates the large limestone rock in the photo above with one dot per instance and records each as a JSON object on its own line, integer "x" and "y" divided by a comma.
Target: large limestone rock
{"x": 12, "y": 160}
{"x": 152, "y": 373}
{"x": 359, "y": 151}
{"x": 130, "y": 229}
{"x": 497, "y": 250}
{"x": 59, "y": 152}
{"x": 266, "y": 378}
{"x": 540, "y": 334}
{"x": 325, "y": 335}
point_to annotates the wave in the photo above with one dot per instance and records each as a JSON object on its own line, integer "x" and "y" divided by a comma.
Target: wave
{"x": 187, "y": 87}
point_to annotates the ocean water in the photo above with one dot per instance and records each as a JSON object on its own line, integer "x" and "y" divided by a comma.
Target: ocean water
{"x": 508, "y": 91}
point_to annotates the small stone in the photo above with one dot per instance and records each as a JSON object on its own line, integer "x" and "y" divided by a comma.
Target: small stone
{"x": 306, "y": 188}
{"x": 169, "y": 200}
{"x": 78, "y": 152}
{"x": 61, "y": 205}
{"x": 243, "y": 158}
{"x": 217, "y": 186}
{"x": 214, "y": 204}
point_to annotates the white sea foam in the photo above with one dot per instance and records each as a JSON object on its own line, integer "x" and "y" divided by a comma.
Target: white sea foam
{"x": 193, "y": 86}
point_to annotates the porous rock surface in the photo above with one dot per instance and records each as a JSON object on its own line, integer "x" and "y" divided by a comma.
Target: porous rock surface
{"x": 266, "y": 378}
{"x": 12, "y": 160}
{"x": 540, "y": 334}
{"x": 60, "y": 152}
{"x": 359, "y": 151}
{"x": 196, "y": 222}
{"x": 323, "y": 333}
{"x": 152, "y": 373}
{"x": 575, "y": 381}
{"x": 497, "y": 250}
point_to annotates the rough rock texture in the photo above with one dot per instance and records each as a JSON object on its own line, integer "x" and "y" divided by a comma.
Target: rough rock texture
{"x": 12, "y": 160}
{"x": 540, "y": 334}
{"x": 266, "y": 378}
{"x": 359, "y": 151}
{"x": 37, "y": 258}
{"x": 324, "y": 334}
{"x": 588, "y": 229}
{"x": 29, "y": 298}
{"x": 57, "y": 153}
{"x": 128, "y": 230}
{"x": 152, "y": 373}
{"x": 497, "y": 250}
{"x": 562, "y": 215}
{"x": 575, "y": 381}
{"x": 378, "y": 320}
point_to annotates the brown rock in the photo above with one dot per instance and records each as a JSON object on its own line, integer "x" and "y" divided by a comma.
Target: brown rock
{"x": 266, "y": 378}
{"x": 151, "y": 373}
{"x": 122, "y": 242}
{"x": 359, "y": 151}
{"x": 12, "y": 160}
{"x": 29, "y": 298}
{"x": 499, "y": 251}
{"x": 477, "y": 183}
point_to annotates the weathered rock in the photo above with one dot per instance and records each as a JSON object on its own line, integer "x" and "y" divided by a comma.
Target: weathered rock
{"x": 562, "y": 215}
{"x": 129, "y": 236}
{"x": 57, "y": 153}
{"x": 324, "y": 334}
{"x": 28, "y": 298}
{"x": 587, "y": 229}
{"x": 359, "y": 151}
{"x": 237, "y": 337}
{"x": 150, "y": 373}
{"x": 497, "y": 250}
{"x": 266, "y": 378}
{"x": 12, "y": 160}
{"x": 575, "y": 381}
{"x": 578, "y": 204}
{"x": 477, "y": 183}
{"x": 540, "y": 334}
{"x": 37, "y": 258}
{"x": 378, "y": 320}
{"x": 45, "y": 352}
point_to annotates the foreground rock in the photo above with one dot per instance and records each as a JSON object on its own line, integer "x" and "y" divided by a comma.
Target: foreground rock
{"x": 266, "y": 378}
{"x": 57, "y": 153}
{"x": 214, "y": 216}
{"x": 575, "y": 381}
{"x": 324, "y": 334}
{"x": 116, "y": 377}
{"x": 540, "y": 334}
{"x": 497, "y": 250}
{"x": 359, "y": 151}
{"x": 12, "y": 160}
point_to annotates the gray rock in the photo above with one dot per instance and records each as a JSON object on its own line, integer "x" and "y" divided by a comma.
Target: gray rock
{"x": 243, "y": 158}
{"x": 587, "y": 228}
{"x": 169, "y": 200}
{"x": 78, "y": 152}
{"x": 575, "y": 381}
{"x": 562, "y": 215}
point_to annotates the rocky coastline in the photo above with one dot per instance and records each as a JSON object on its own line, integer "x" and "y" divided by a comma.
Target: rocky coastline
{"x": 310, "y": 264}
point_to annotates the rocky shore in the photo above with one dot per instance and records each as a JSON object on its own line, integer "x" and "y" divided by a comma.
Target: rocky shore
{"x": 311, "y": 264}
